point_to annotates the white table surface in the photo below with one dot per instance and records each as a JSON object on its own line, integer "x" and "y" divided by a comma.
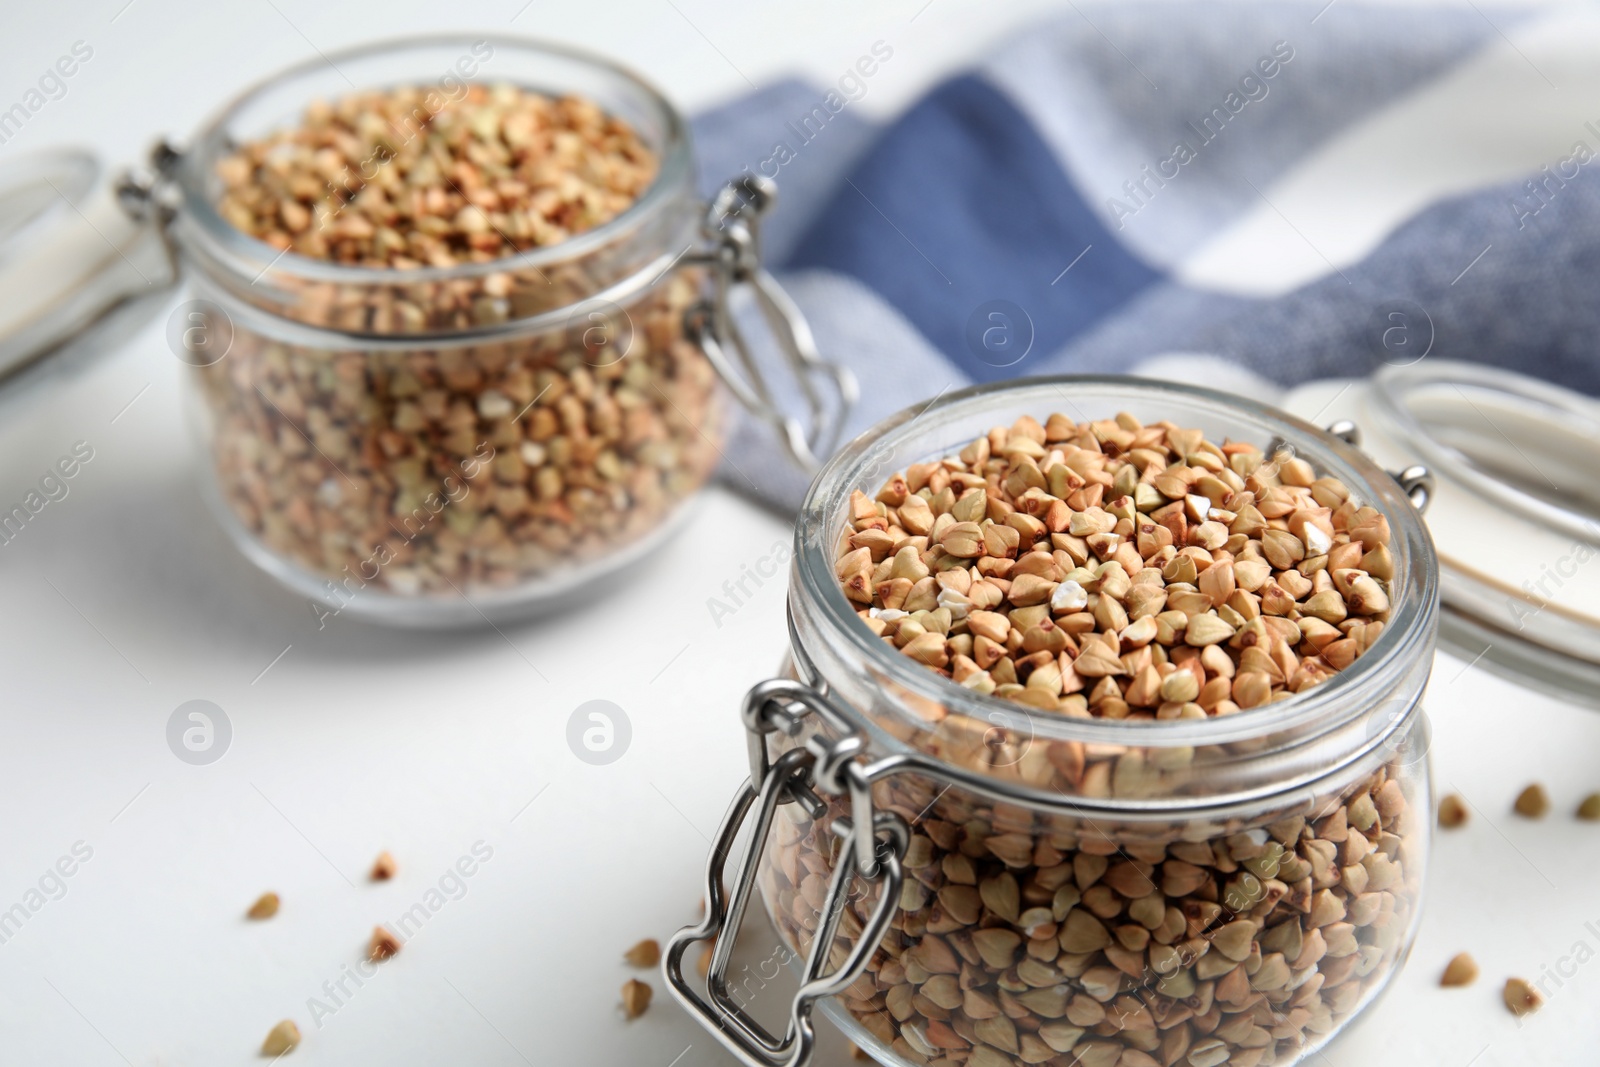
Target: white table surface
{"x": 123, "y": 601}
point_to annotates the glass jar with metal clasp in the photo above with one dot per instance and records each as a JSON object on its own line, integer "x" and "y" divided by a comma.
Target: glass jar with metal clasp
{"x": 438, "y": 445}
{"x": 965, "y": 879}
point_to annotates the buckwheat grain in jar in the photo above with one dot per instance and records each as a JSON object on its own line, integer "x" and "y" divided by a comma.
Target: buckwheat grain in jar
{"x": 1107, "y": 750}
{"x": 458, "y": 321}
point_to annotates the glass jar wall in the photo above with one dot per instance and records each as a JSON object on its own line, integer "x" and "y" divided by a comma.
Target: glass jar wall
{"x": 1029, "y": 936}
{"x": 403, "y": 479}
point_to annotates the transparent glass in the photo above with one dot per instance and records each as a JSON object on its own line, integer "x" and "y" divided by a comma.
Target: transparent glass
{"x": 441, "y": 446}
{"x": 1515, "y": 460}
{"x": 1100, "y": 892}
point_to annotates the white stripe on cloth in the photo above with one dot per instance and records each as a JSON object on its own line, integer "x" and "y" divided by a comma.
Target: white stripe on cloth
{"x": 1214, "y": 372}
{"x": 1113, "y": 89}
{"x": 1493, "y": 119}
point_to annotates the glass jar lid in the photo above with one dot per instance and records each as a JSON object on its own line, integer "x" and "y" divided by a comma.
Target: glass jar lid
{"x": 76, "y": 270}
{"x": 1515, "y": 514}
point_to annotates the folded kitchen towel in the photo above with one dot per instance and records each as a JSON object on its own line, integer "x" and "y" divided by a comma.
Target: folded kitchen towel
{"x": 1076, "y": 201}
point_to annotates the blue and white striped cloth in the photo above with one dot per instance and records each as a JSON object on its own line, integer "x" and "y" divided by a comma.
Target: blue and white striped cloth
{"x": 1063, "y": 205}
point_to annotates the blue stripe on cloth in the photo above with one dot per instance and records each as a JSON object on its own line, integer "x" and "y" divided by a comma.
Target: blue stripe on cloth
{"x": 960, "y": 204}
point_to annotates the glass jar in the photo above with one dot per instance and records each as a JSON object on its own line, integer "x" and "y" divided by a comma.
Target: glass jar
{"x": 446, "y": 445}
{"x": 974, "y": 881}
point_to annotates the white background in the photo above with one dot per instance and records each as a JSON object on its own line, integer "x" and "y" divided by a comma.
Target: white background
{"x": 123, "y": 601}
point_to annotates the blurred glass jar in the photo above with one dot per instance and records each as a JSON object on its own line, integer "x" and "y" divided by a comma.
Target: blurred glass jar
{"x": 442, "y": 445}
{"x": 971, "y": 880}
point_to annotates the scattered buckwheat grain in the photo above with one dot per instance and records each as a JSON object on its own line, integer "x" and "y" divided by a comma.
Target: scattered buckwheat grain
{"x": 1521, "y": 997}
{"x": 635, "y": 998}
{"x": 1461, "y": 970}
{"x": 265, "y": 907}
{"x": 1589, "y": 809}
{"x": 383, "y": 944}
{"x": 1532, "y": 803}
{"x": 646, "y": 953}
{"x": 281, "y": 1039}
{"x": 1452, "y": 811}
{"x": 384, "y": 867}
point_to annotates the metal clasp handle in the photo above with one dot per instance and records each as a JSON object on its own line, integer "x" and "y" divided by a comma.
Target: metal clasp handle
{"x": 150, "y": 194}
{"x": 1417, "y": 480}
{"x": 881, "y": 836}
{"x": 733, "y": 229}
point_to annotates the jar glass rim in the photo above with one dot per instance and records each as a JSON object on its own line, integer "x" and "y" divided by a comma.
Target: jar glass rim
{"x": 1350, "y": 693}
{"x": 673, "y": 176}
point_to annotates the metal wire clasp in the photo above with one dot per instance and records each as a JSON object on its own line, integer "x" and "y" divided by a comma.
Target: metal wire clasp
{"x": 149, "y": 193}
{"x": 872, "y": 844}
{"x": 1417, "y": 480}
{"x": 732, "y": 230}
